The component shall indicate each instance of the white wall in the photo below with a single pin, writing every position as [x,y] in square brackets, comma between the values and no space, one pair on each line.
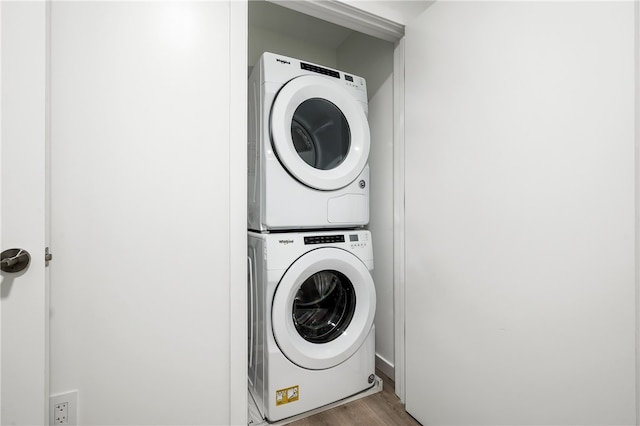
[637,193]
[147,256]
[263,40]
[520,213]
[276,29]
[373,59]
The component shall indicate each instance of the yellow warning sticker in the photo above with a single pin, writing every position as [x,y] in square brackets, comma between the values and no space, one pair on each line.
[287,395]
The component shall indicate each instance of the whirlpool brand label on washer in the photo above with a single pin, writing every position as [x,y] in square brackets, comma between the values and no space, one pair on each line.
[287,395]
[285,242]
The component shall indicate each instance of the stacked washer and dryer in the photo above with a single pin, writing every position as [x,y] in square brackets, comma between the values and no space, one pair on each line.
[312,299]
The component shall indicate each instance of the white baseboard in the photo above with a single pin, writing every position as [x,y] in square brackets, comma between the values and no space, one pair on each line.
[386,367]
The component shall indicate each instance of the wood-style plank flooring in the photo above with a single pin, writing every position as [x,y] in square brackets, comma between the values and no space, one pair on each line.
[381,409]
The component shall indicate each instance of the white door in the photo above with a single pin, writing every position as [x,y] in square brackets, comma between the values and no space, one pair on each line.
[148,225]
[23,296]
[520,216]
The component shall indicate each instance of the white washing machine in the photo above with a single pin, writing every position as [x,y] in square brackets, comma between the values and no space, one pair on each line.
[308,146]
[311,309]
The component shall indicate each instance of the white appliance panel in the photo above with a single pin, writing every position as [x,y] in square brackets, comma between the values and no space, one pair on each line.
[308,147]
[272,373]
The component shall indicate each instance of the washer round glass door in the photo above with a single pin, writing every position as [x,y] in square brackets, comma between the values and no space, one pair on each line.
[320,133]
[323,308]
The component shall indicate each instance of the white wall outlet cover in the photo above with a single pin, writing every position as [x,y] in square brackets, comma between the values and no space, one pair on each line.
[63,409]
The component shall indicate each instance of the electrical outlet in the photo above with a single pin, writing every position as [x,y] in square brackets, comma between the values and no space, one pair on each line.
[61,414]
[63,409]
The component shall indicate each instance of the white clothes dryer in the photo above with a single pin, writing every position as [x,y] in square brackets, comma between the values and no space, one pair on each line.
[308,146]
[311,309]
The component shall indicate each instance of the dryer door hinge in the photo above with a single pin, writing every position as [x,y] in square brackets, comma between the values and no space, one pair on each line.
[47,255]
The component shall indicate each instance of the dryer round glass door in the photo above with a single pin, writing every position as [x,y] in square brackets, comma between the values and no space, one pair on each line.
[320,133]
[323,308]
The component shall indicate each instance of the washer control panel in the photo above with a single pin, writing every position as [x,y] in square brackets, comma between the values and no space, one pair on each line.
[358,240]
[283,248]
[324,239]
[354,240]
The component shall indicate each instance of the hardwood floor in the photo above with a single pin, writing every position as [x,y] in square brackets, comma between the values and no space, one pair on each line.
[380,409]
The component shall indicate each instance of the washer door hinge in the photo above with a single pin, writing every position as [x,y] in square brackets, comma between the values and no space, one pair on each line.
[47,255]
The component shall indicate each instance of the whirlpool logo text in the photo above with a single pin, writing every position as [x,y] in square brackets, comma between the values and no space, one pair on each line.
[285,241]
